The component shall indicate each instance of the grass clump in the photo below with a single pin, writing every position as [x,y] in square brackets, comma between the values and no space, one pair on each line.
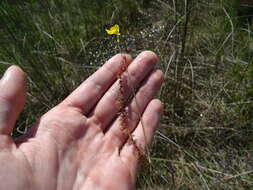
[205,49]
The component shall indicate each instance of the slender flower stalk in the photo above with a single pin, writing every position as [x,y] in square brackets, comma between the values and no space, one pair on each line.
[115,30]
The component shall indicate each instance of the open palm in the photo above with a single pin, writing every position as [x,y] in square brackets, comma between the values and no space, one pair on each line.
[80,143]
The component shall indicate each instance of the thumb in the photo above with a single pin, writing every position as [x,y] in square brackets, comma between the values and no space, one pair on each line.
[12,98]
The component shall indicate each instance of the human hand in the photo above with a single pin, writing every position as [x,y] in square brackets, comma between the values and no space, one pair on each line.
[80,143]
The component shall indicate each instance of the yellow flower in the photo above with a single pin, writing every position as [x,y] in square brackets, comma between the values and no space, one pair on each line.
[114,30]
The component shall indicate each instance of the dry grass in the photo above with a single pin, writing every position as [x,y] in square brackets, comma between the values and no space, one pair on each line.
[205,49]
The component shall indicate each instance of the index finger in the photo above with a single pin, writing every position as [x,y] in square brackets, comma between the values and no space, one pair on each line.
[92,89]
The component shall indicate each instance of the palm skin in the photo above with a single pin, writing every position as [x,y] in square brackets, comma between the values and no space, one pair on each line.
[80,144]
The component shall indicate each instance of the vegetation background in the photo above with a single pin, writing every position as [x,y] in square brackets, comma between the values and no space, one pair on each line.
[206,52]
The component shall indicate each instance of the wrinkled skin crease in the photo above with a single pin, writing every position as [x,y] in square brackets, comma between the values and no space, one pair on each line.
[89,148]
[75,147]
[79,145]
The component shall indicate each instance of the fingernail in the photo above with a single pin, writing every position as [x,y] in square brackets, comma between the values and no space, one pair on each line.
[6,75]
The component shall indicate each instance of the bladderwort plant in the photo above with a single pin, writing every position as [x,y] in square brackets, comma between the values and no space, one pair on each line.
[122,102]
